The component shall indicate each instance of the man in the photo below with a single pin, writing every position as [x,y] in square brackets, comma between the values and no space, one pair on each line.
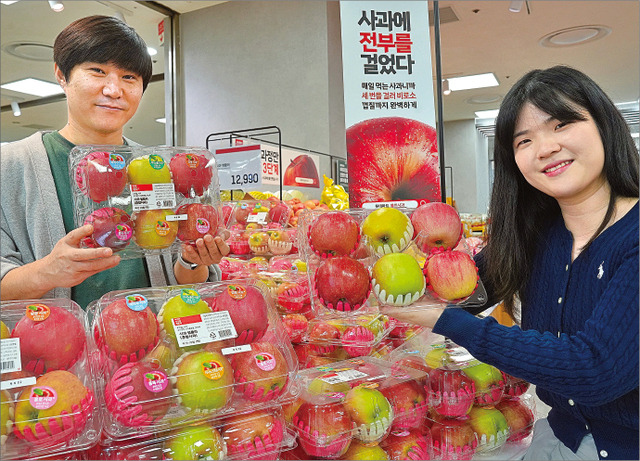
[103,67]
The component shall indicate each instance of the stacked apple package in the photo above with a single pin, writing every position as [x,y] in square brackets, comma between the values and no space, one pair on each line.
[359,259]
[48,393]
[173,356]
[473,406]
[363,401]
[145,200]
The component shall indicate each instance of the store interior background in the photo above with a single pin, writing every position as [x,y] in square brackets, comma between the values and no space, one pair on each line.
[245,64]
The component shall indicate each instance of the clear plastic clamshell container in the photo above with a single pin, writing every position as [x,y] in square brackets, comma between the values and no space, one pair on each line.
[48,393]
[145,200]
[175,355]
[358,401]
[360,259]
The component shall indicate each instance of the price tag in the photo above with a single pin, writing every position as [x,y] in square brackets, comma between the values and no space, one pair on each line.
[10,355]
[20,382]
[260,218]
[203,328]
[239,166]
[236,349]
[343,376]
[153,196]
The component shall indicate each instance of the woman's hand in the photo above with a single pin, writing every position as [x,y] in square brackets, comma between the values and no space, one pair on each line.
[426,317]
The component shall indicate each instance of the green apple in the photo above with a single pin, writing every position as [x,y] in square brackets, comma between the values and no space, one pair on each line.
[152,230]
[490,426]
[4,331]
[437,357]
[148,169]
[196,442]
[203,381]
[397,279]
[371,412]
[319,386]
[358,451]
[387,230]
[187,303]
[488,381]
[6,415]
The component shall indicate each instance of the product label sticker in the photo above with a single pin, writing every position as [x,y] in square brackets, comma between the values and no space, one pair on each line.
[177,217]
[237,292]
[202,225]
[10,355]
[136,302]
[459,354]
[370,385]
[192,161]
[260,217]
[203,328]
[190,296]
[156,162]
[343,376]
[38,312]
[265,361]
[153,196]
[156,381]
[213,370]
[18,382]
[42,397]
[124,232]
[236,349]
[116,161]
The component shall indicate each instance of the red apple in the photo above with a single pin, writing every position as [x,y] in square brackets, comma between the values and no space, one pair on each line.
[451,275]
[409,401]
[514,387]
[262,373]
[127,329]
[112,227]
[334,233]
[342,283]
[226,213]
[324,428]
[413,361]
[436,225]
[101,175]
[392,158]
[246,307]
[519,418]
[191,173]
[451,392]
[201,220]
[323,337]
[256,435]
[138,394]
[453,439]
[357,340]
[410,444]
[279,213]
[296,325]
[242,212]
[55,343]
[301,172]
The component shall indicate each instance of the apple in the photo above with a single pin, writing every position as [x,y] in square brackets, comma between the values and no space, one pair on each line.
[259,243]
[201,220]
[247,308]
[409,401]
[324,428]
[358,340]
[490,427]
[7,414]
[453,439]
[54,409]
[388,230]
[226,214]
[514,387]
[279,243]
[410,444]
[152,229]
[164,354]
[397,279]
[437,357]
[148,169]
[238,244]
[255,435]
[138,394]
[519,418]
[192,173]
[295,325]
[451,392]
[280,213]
[334,233]
[342,283]
[436,225]
[187,303]
[293,296]
[370,411]
[196,442]
[359,451]
[451,275]
[4,331]
[262,373]
[202,381]
[242,212]
[112,227]
[314,361]
[318,386]
[301,172]
[488,381]
[100,175]
[323,337]
[392,158]
[55,343]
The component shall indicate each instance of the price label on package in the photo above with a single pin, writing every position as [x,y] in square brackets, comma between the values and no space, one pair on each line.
[343,376]
[260,217]
[153,196]
[203,328]
[241,169]
[10,355]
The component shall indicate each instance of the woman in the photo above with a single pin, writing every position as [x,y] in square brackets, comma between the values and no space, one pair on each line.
[563,240]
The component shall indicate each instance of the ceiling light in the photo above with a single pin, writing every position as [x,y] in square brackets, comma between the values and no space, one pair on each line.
[493,113]
[445,87]
[56,6]
[516,6]
[574,36]
[161,120]
[33,86]
[152,51]
[16,108]
[472,81]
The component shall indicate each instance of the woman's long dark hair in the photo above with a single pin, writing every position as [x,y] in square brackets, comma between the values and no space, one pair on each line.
[519,213]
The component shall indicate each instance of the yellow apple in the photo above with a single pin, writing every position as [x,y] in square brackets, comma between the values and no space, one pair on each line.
[4,331]
[153,231]
[148,169]
[6,415]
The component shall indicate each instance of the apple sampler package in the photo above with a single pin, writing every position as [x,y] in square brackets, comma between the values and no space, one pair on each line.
[145,200]
[48,402]
[362,401]
[412,258]
[256,434]
[176,355]
[473,406]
